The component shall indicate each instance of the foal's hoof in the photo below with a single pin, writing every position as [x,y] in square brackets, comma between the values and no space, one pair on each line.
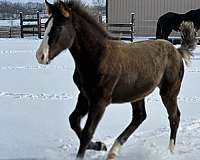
[79,157]
[111,156]
[172,145]
[97,146]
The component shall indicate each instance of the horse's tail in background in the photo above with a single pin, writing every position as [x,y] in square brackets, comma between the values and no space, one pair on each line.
[159,30]
[188,40]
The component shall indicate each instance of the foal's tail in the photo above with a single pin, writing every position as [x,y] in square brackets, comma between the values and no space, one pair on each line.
[189,41]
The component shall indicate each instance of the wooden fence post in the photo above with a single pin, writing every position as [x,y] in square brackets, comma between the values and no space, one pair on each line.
[132,25]
[21,25]
[10,32]
[39,24]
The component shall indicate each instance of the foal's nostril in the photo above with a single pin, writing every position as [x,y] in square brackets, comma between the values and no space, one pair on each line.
[42,57]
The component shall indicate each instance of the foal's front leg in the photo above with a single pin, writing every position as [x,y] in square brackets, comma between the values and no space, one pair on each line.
[95,114]
[80,111]
[100,97]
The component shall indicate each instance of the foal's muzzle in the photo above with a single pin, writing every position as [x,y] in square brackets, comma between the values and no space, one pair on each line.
[42,58]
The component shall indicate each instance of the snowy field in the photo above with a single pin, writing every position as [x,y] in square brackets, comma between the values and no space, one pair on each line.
[36,101]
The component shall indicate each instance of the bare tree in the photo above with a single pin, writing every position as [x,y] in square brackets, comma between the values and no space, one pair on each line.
[98,9]
[98,3]
[9,9]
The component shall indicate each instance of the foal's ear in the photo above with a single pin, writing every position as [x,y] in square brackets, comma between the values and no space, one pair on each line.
[49,8]
[64,11]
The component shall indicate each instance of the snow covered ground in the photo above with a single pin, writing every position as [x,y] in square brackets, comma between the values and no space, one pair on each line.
[36,100]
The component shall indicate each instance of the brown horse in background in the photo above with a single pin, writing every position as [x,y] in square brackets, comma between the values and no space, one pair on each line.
[109,71]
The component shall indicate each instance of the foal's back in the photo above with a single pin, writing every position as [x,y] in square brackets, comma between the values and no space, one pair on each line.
[140,66]
[138,56]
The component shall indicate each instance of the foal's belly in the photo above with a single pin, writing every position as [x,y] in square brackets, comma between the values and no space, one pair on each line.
[130,91]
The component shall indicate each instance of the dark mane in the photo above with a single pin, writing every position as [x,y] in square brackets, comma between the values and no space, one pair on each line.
[78,7]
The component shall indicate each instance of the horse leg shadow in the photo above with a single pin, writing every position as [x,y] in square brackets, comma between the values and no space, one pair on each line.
[139,115]
[79,112]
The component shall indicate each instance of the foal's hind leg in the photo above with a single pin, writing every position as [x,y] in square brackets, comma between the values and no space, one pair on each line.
[169,95]
[169,90]
[170,102]
[139,115]
[174,118]
[75,118]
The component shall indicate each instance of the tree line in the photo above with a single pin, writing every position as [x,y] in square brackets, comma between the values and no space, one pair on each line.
[11,10]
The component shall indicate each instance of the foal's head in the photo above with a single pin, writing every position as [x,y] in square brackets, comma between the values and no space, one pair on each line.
[59,33]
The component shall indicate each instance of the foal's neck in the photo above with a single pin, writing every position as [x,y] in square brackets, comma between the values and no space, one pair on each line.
[90,41]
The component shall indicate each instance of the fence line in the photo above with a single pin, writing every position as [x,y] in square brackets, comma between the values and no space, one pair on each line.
[30,26]
[35,26]
[26,26]
[124,31]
